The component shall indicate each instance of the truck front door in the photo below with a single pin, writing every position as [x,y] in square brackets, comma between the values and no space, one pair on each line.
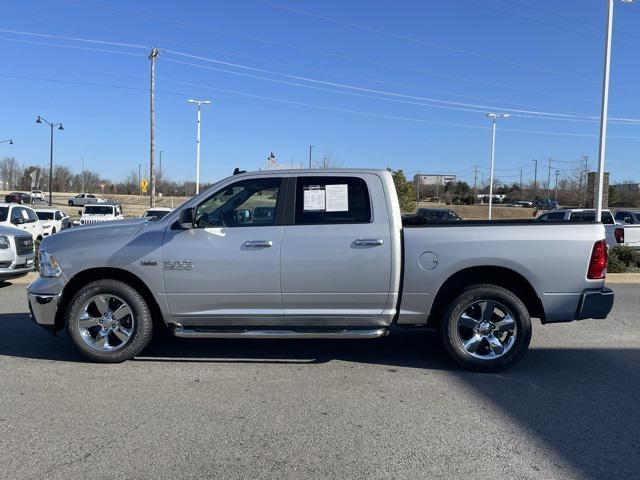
[226,270]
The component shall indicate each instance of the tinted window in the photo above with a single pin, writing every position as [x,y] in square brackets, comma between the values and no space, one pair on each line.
[248,203]
[332,200]
[59,215]
[589,216]
[45,215]
[98,210]
[4,211]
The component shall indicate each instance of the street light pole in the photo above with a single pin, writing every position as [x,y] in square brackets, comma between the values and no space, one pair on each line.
[199,103]
[51,126]
[493,117]
[605,107]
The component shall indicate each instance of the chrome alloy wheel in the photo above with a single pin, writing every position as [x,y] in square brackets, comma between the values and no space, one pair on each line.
[106,322]
[486,329]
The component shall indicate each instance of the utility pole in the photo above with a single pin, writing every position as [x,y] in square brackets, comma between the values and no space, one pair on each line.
[153,56]
[475,184]
[83,176]
[535,179]
[139,179]
[520,188]
[557,173]
[549,178]
[310,147]
[160,169]
[418,188]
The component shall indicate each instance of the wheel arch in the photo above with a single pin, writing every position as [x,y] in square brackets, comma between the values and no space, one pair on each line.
[101,273]
[500,276]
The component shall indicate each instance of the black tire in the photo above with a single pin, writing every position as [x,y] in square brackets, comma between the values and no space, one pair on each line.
[450,330]
[142,330]
[70,203]
[53,230]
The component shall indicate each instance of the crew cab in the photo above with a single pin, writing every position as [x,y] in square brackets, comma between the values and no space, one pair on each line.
[83,199]
[16,253]
[317,254]
[100,213]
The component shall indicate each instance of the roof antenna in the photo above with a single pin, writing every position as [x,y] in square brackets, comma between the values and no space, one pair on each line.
[237,171]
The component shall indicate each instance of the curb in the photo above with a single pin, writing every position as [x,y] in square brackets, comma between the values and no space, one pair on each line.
[629,278]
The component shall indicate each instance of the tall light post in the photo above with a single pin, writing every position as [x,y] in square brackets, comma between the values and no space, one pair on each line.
[493,117]
[51,126]
[605,106]
[199,103]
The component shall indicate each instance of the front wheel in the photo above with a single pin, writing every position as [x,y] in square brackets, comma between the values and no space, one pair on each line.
[486,328]
[109,321]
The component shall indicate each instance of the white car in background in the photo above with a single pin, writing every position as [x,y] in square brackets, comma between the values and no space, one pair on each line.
[22,217]
[54,219]
[156,213]
[37,195]
[100,213]
[83,199]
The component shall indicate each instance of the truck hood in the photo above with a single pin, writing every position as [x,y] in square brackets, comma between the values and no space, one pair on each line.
[94,233]
[5,230]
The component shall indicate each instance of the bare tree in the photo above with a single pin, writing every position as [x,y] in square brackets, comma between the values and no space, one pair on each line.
[328,161]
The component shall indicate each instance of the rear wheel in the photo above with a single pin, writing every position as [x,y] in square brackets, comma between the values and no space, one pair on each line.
[486,328]
[109,321]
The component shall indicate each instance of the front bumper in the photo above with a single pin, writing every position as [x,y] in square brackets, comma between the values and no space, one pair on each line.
[43,308]
[596,303]
[43,296]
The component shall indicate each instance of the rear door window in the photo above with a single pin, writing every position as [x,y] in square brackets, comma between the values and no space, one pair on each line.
[332,200]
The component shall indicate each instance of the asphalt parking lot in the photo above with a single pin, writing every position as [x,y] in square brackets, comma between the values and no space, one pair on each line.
[390,408]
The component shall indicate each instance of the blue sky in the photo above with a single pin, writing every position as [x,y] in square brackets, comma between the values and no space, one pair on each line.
[364,80]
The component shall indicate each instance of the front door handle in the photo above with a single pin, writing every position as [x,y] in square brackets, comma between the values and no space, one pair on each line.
[368,242]
[258,243]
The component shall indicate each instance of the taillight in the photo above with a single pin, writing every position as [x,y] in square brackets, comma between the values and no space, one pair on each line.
[619,234]
[598,262]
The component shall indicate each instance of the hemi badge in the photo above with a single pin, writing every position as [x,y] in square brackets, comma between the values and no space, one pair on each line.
[148,262]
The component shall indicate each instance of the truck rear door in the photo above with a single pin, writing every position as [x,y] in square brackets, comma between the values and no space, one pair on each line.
[336,251]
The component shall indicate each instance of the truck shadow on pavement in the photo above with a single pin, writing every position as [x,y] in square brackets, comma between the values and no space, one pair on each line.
[581,404]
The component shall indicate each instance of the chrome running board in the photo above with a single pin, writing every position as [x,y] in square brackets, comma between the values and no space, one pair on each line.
[353,334]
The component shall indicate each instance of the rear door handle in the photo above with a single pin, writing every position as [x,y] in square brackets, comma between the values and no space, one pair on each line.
[258,243]
[368,242]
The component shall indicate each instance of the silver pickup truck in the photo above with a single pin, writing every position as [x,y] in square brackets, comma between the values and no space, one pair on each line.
[316,254]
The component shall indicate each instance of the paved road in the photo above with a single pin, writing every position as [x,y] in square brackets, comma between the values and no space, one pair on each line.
[390,408]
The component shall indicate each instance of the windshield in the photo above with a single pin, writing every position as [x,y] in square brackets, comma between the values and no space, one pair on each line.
[45,215]
[3,214]
[98,210]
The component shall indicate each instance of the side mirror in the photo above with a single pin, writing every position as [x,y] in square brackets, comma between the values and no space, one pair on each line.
[80,212]
[185,219]
[18,221]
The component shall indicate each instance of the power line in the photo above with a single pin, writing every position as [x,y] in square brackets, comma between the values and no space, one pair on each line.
[189,25]
[474,107]
[422,42]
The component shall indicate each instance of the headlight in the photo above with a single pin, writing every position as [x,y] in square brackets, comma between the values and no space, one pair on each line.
[49,265]
[4,242]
